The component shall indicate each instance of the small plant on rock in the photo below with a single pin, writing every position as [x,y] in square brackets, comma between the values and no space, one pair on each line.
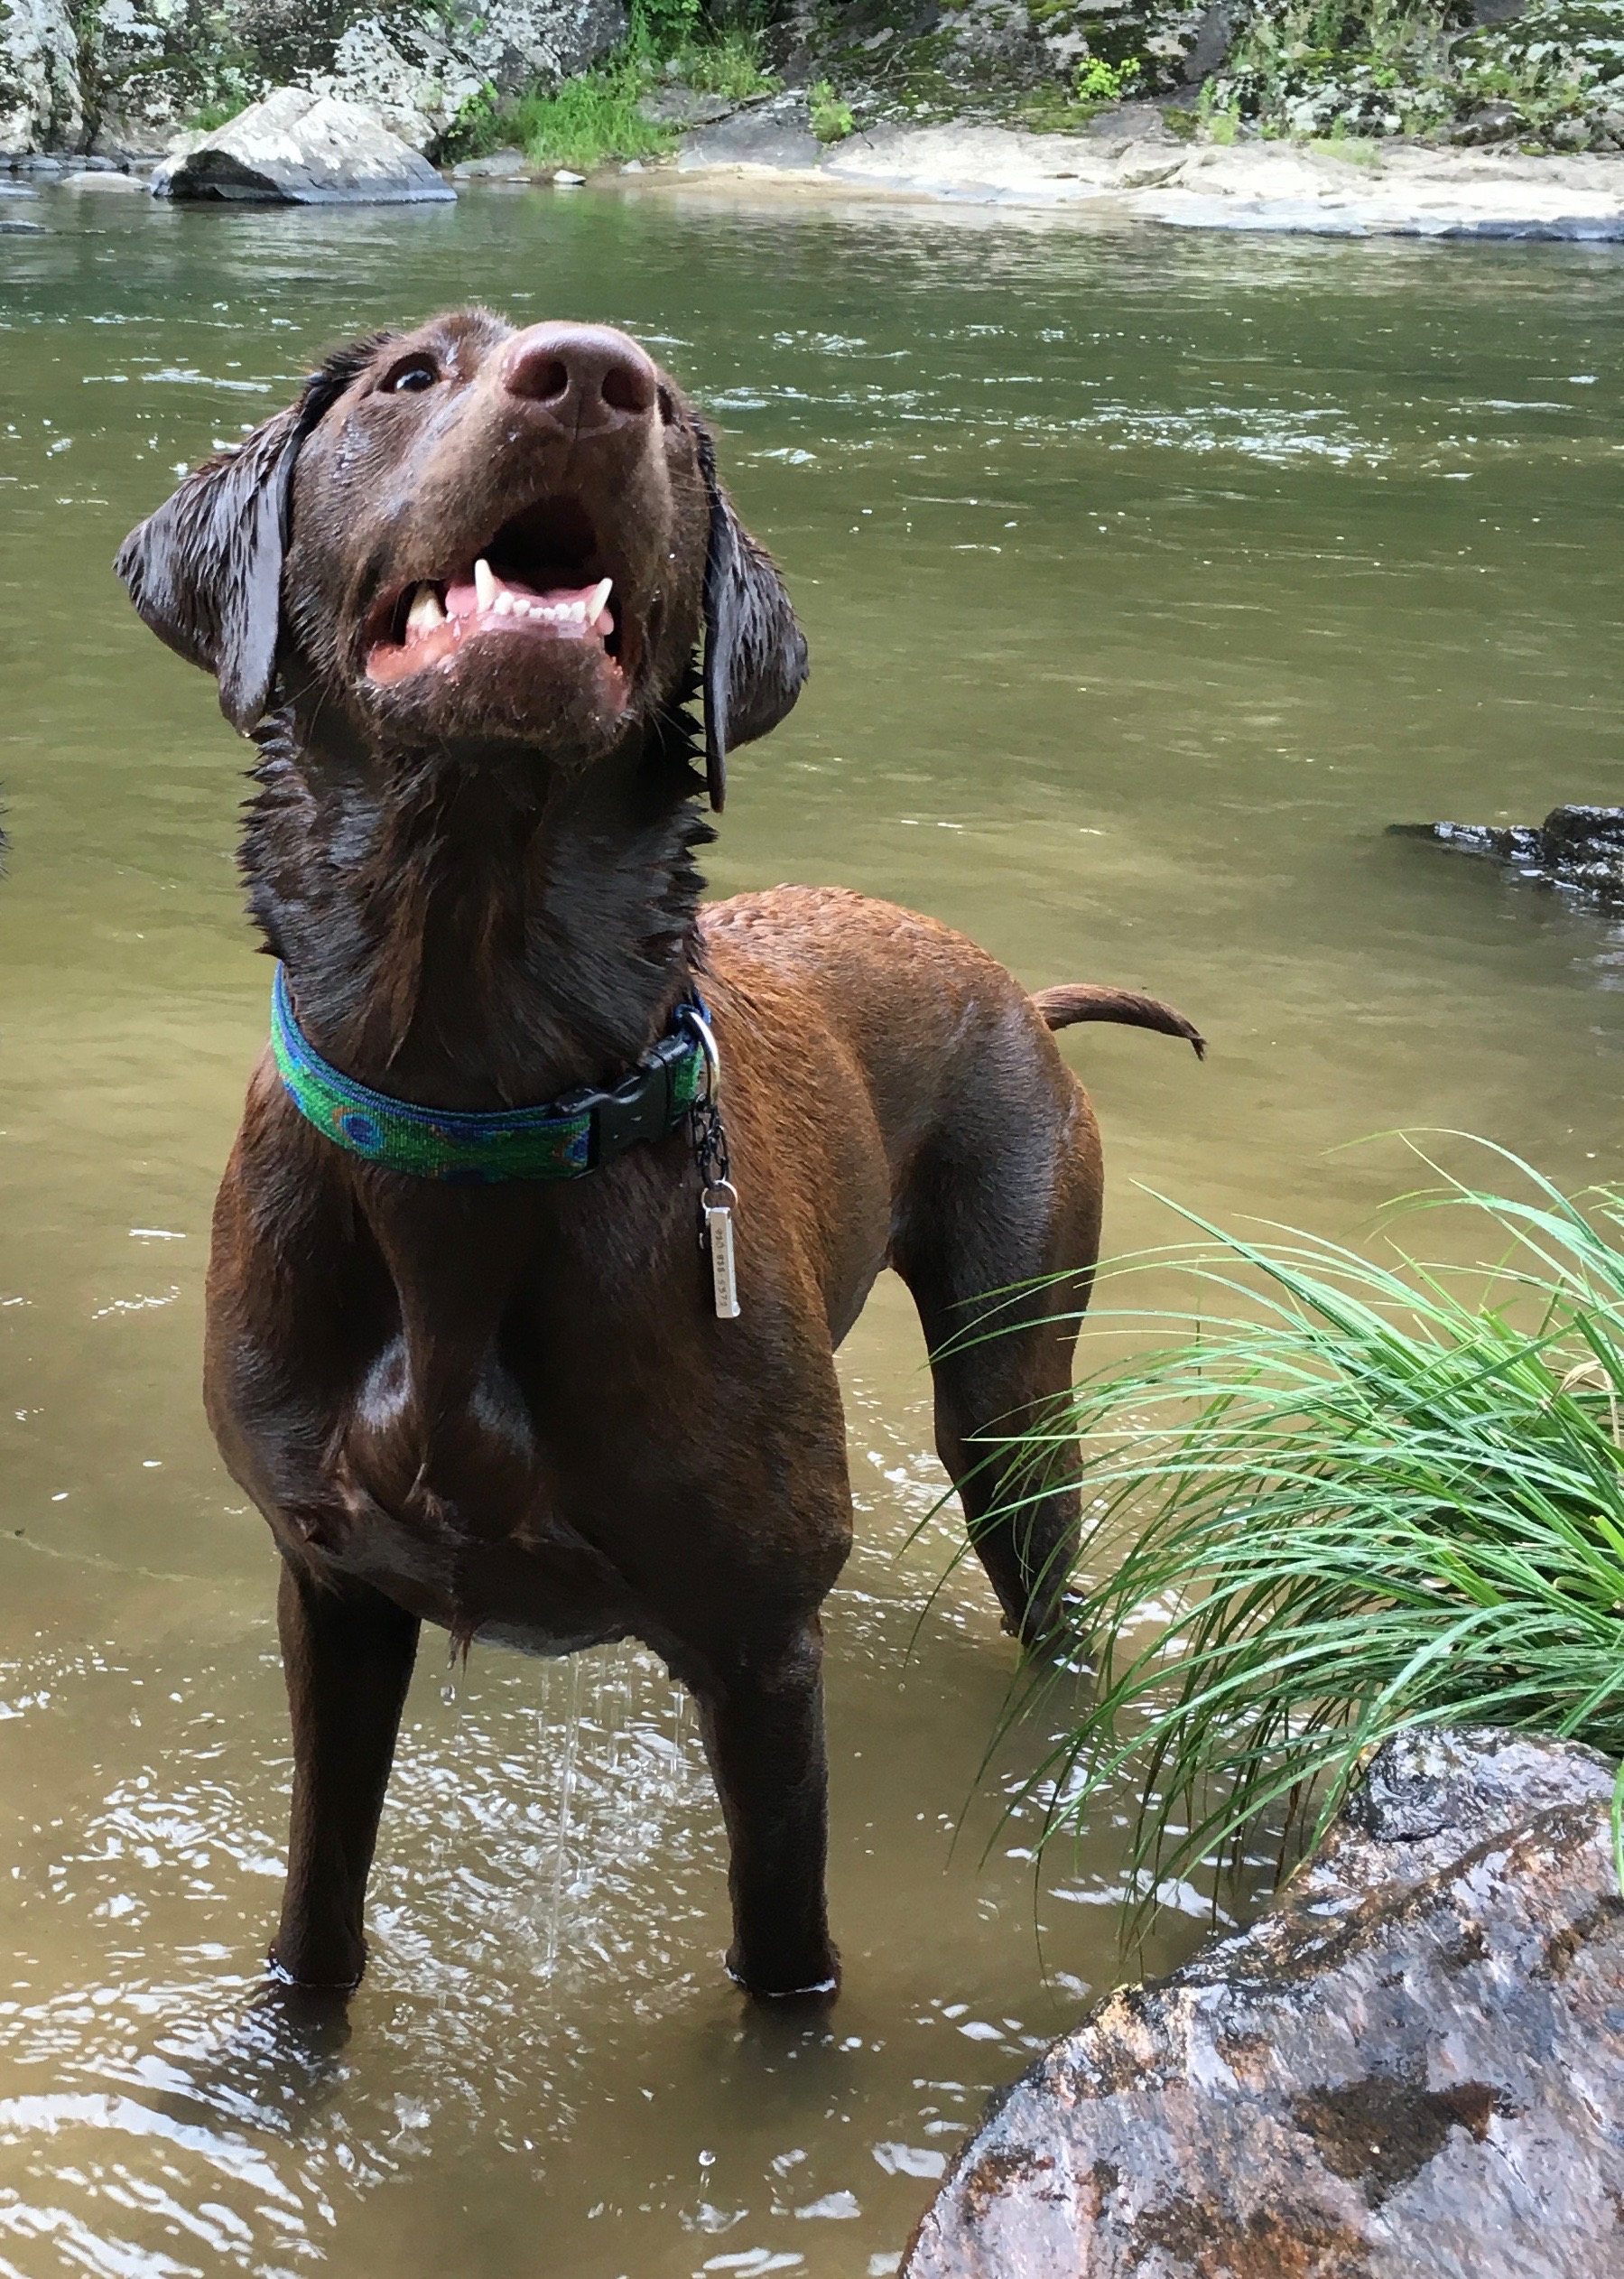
[727,64]
[1099,82]
[832,119]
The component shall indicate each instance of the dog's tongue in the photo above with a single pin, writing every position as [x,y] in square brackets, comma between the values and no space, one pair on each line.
[566,607]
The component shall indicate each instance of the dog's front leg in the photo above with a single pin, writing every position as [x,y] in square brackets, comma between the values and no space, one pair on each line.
[347,1655]
[762,1717]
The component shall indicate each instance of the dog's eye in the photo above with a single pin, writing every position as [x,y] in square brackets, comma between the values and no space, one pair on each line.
[409,379]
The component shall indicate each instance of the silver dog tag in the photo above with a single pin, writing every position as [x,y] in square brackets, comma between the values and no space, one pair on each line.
[720,1200]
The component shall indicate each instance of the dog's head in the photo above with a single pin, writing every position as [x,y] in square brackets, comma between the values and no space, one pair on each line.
[469,535]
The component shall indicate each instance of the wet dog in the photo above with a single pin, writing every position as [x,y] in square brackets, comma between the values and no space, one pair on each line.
[464,1349]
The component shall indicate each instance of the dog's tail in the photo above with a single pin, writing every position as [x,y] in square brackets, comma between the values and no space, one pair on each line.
[1088,1002]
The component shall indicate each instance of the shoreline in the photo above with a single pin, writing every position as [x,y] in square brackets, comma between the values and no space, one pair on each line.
[1126,165]
[1129,164]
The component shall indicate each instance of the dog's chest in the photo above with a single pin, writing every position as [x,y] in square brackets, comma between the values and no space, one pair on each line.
[447,1489]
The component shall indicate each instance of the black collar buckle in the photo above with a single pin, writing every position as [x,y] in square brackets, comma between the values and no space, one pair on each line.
[641,1107]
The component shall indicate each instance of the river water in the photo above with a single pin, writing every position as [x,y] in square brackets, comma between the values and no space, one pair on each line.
[1148,577]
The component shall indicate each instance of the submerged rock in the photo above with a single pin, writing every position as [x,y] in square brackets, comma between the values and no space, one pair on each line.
[1580,850]
[1413,2063]
[300,149]
[500,166]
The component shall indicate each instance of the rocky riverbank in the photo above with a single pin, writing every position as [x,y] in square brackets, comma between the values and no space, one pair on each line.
[1127,162]
[126,76]
[122,76]
[1145,111]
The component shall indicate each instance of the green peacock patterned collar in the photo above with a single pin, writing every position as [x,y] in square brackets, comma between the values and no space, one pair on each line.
[564,1138]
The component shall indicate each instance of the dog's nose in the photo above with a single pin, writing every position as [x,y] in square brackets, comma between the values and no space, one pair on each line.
[589,376]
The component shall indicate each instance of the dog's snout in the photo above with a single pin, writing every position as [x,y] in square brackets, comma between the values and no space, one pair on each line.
[589,376]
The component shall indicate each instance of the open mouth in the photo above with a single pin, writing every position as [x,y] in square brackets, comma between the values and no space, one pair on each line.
[541,579]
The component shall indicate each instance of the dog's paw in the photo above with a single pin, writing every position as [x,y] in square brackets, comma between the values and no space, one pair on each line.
[814,1989]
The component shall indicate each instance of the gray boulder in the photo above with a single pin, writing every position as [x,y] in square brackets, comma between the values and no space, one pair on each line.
[684,107]
[776,133]
[1413,2064]
[497,166]
[422,67]
[300,149]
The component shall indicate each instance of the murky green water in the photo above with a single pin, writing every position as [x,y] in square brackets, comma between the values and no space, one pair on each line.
[1148,576]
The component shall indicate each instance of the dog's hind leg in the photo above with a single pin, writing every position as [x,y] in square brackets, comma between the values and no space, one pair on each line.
[997,1237]
[347,1655]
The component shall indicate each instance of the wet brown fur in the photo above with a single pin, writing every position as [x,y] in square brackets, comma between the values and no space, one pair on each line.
[510,1410]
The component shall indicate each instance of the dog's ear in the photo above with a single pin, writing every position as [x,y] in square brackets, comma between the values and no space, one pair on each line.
[755,664]
[205,571]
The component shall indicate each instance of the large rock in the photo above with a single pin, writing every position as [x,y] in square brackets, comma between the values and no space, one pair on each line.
[1411,2067]
[772,137]
[300,149]
[423,68]
[79,74]
[1579,849]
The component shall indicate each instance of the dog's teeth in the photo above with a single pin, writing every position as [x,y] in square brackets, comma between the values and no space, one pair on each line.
[576,611]
[425,612]
[503,604]
[485,585]
[598,599]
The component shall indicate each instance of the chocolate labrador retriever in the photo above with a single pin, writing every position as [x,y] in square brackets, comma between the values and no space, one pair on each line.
[466,1350]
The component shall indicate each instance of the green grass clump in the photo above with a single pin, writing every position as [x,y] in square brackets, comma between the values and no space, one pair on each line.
[209,117]
[593,119]
[588,121]
[832,119]
[1359,1496]
[728,63]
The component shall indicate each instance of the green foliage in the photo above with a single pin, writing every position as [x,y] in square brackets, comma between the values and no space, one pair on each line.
[476,129]
[209,116]
[833,120]
[1099,81]
[728,62]
[664,26]
[590,120]
[1358,1496]
[1412,67]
